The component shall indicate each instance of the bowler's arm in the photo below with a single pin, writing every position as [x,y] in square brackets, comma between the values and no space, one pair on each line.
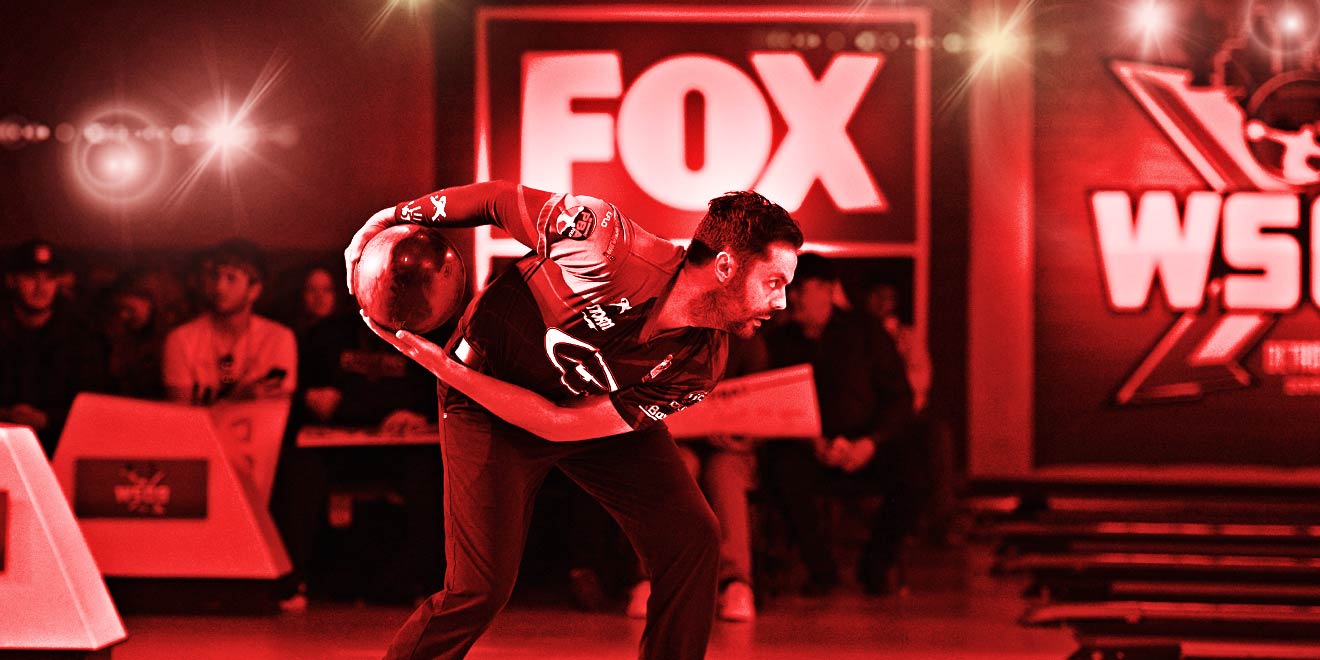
[500,203]
[579,419]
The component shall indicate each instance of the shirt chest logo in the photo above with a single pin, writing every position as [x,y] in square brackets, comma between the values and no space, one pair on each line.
[582,368]
[598,318]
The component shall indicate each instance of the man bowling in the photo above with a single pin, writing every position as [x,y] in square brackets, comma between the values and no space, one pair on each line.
[572,359]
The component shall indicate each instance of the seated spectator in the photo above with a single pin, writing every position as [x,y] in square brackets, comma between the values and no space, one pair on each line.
[885,311]
[349,377]
[144,305]
[870,442]
[353,378]
[47,353]
[229,352]
[882,308]
[317,295]
[725,467]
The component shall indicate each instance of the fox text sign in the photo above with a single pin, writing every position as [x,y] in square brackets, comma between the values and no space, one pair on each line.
[823,110]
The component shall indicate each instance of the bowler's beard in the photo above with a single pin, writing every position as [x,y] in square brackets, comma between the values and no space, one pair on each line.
[723,308]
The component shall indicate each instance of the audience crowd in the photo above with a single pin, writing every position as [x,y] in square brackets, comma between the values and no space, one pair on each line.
[207,331]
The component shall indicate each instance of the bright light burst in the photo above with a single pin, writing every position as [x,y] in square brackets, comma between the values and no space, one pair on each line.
[998,43]
[377,22]
[1150,19]
[1291,23]
[231,133]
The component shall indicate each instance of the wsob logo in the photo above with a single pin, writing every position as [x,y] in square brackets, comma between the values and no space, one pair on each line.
[1255,147]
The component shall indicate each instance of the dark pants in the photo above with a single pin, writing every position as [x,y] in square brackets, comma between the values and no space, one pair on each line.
[793,480]
[307,476]
[492,473]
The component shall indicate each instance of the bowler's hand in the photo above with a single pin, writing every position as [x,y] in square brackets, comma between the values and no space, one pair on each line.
[421,350]
[382,220]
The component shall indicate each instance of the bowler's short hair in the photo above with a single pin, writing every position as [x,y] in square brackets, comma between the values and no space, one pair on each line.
[744,224]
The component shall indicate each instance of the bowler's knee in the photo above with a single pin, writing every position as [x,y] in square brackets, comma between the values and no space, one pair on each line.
[704,532]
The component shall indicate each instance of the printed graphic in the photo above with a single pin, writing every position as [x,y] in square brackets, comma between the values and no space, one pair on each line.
[583,367]
[1255,147]
[140,488]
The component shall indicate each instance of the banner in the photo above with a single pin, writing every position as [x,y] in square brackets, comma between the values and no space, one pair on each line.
[1176,290]
[825,110]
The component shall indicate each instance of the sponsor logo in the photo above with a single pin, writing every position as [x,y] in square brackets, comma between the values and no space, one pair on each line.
[659,368]
[439,205]
[133,488]
[654,412]
[410,214]
[597,319]
[576,223]
[623,305]
[582,368]
[1255,148]
[144,493]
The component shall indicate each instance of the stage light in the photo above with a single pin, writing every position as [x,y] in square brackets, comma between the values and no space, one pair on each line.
[183,135]
[997,44]
[866,41]
[1150,19]
[111,161]
[10,132]
[95,133]
[230,135]
[1291,23]
[377,22]
[119,165]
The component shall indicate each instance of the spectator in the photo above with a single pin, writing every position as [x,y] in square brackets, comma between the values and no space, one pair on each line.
[869,443]
[47,354]
[882,307]
[725,467]
[883,310]
[317,298]
[228,352]
[144,305]
[349,377]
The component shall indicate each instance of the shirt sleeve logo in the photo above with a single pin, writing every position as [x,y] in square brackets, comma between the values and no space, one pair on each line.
[582,368]
[576,223]
[659,368]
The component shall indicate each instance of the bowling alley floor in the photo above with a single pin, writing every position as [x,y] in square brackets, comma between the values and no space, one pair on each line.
[954,610]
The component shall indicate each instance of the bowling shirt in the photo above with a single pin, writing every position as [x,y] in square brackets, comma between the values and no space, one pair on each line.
[565,320]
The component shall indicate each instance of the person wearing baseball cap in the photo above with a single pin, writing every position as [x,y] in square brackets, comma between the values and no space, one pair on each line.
[47,354]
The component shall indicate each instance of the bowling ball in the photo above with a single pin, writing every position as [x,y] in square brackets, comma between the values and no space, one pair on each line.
[410,278]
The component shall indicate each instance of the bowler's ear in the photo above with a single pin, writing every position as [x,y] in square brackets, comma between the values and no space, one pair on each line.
[725,266]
